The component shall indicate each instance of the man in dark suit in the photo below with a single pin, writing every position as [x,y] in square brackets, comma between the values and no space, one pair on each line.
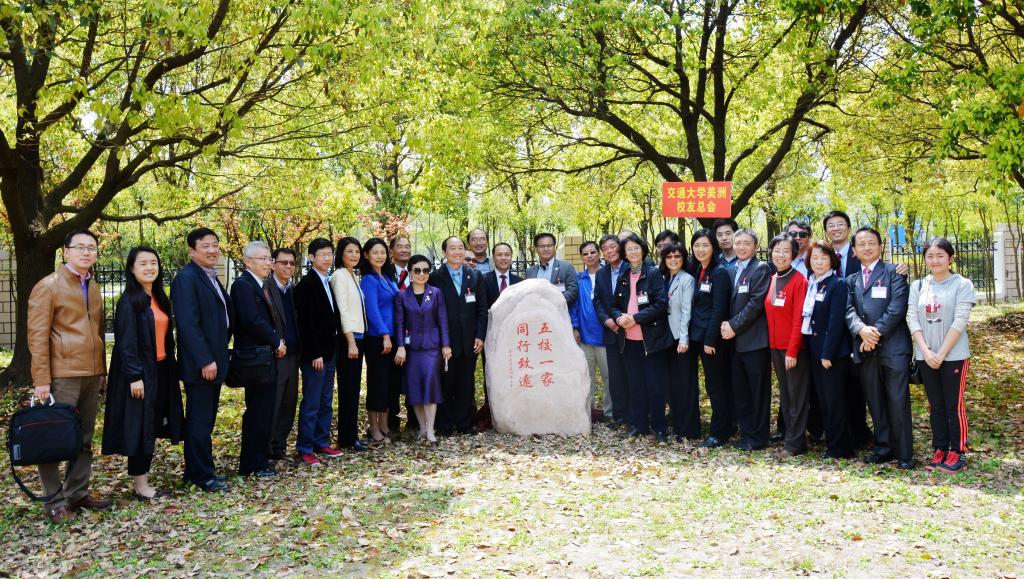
[401,251]
[558,272]
[605,281]
[255,326]
[748,329]
[319,328]
[876,316]
[501,277]
[203,315]
[286,393]
[466,303]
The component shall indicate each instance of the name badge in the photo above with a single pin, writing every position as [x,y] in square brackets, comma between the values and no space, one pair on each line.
[470,298]
[408,340]
[879,292]
[779,302]
[742,289]
[819,297]
[705,287]
[561,287]
[642,300]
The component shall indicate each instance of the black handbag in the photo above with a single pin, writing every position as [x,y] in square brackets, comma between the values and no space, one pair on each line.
[251,366]
[44,434]
[915,371]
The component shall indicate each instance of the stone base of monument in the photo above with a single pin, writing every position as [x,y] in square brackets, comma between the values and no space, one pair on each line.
[537,377]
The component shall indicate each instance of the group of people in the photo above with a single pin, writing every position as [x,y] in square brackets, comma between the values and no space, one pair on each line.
[834,322]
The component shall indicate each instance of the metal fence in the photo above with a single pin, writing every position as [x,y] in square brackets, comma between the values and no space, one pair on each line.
[974,260]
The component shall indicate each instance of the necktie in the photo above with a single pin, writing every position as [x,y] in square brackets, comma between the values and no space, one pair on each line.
[504,284]
[327,286]
[867,276]
[270,305]
[457,280]
[401,278]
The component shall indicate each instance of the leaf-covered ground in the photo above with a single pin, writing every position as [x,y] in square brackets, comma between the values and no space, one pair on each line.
[495,505]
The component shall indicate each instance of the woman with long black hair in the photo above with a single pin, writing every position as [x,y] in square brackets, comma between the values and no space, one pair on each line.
[143,397]
[379,343]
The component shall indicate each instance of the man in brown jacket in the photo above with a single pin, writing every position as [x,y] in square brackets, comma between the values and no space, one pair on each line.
[65,337]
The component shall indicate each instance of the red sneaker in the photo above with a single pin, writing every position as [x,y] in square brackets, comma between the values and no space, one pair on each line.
[329,452]
[938,458]
[311,460]
[954,462]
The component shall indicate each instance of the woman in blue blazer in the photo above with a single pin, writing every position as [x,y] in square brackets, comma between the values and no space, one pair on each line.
[828,339]
[379,289]
[421,321]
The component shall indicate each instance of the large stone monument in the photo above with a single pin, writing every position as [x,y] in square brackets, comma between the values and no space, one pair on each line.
[537,378]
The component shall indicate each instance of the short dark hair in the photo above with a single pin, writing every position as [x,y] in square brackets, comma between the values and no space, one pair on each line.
[867,229]
[634,238]
[588,243]
[339,254]
[827,249]
[418,258]
[799,223]
[794,247]
[723,222]
[196,234]
[539,236]
[70,236]
[499,244]
[277,252]
[941,243]
[608,237]
[667,234]
[318,244]
[394,241]
[470,234]
[444,244]
[670,248]
[835,213]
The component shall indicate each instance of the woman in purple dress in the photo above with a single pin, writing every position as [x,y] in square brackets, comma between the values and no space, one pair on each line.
[422,332]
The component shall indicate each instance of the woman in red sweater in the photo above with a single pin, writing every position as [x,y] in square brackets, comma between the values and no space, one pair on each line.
[783,306]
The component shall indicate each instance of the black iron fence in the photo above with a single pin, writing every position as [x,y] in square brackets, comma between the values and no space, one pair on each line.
[975,260]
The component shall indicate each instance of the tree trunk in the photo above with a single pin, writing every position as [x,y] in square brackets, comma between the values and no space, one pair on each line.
[35,260]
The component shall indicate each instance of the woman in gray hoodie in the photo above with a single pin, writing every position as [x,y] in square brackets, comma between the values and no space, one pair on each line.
[939,308]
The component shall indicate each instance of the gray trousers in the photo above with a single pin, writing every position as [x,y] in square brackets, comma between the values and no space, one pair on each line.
[286,399]
[84,394]
[597,358]
[795,398]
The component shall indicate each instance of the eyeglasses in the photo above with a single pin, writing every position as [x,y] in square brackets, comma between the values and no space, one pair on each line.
[284,263]
[799,234]
[423,270]
[836,225]
[85,248]
[545,246]
[263,258]
[674,256]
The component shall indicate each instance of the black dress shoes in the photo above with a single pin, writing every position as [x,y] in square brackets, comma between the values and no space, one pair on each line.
[265,472]
[213,486]
[711,442]
[745,444]
[661,437]
[633,433]
[878,458]
[905,464]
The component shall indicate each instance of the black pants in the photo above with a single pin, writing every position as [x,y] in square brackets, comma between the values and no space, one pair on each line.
[618,386]
[395,403]
[257,427]
[350,378]
[458,386]
[378,373]
[831,384]
[717,384]
[139,464]
[752,394]
[857,409]
[888,392]
[945,389]
[201,402]
[683,394]
[286,398]
[646,375]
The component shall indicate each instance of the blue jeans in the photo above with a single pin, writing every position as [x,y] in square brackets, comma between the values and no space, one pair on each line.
[315,409]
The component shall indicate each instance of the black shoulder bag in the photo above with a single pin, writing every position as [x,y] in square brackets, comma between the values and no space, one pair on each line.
[44,434]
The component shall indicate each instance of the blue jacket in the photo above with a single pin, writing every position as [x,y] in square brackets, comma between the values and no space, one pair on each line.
[829,338]
[583,315]
[203,332]
[379,293]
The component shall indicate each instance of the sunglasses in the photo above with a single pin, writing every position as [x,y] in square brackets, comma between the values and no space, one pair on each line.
[799,234]
[421,270]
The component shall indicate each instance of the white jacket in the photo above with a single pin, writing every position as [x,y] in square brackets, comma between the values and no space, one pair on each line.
[351,305]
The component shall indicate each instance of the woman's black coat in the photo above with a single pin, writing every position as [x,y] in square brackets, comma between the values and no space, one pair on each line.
[131,426]
[652,317]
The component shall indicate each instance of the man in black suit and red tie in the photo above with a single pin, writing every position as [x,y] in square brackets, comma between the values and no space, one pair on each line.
[465,300]
[401,251]
[501,277]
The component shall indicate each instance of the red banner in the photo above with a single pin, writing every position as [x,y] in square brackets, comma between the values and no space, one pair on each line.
[701,199]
